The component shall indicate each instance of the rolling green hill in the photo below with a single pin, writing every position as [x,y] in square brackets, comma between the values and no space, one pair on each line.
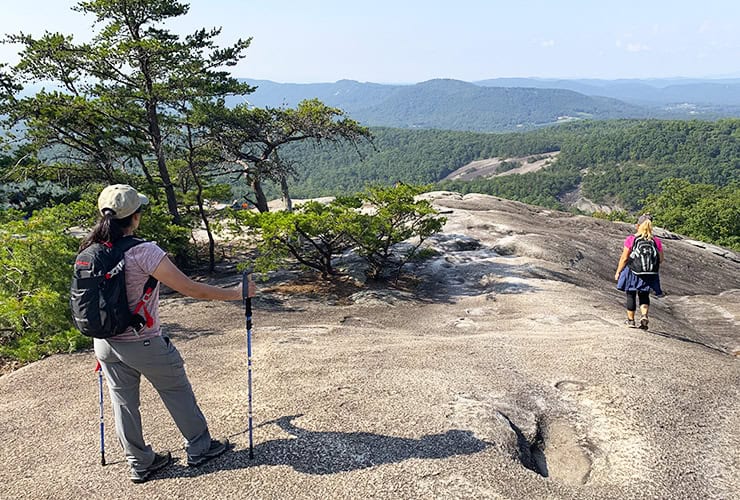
[455,105]
[449,104]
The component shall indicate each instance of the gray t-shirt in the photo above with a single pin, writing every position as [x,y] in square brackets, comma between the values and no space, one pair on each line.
[141,261]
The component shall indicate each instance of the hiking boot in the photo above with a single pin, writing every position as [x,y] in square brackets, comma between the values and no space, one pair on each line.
[218,447]
[644,323]
[161,460]
[630,323]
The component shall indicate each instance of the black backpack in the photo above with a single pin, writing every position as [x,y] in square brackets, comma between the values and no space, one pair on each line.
[98,293]
[644,259]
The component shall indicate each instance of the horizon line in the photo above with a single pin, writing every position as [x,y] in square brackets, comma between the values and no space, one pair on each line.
[540,78]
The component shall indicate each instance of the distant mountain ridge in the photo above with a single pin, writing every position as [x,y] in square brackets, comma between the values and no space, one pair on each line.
[661,91]
[501,104]
[447,104]
[348,94]
[456,105]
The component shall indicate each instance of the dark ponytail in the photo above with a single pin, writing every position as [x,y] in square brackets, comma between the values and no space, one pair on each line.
[107,229]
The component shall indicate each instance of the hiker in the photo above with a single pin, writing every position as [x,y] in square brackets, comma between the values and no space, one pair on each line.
[148,351]
[638,276]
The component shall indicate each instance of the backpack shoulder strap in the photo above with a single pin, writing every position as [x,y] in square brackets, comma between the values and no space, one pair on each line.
[140,314]
[127,243]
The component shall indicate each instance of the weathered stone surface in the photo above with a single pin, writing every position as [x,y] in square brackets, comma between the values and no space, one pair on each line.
[507,374]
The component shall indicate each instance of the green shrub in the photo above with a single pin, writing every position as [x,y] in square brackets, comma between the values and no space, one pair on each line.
[425,253]
[614,215]
[314,234]
[36,257]
[33,195]
[395,216]
[156,225]
[505,166]
[702,211]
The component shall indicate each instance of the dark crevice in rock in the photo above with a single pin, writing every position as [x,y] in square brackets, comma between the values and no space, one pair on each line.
[553,449]
[537,451]
[530,452]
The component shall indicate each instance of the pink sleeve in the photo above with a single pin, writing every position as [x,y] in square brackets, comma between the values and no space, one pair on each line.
[658,244]
[148,256]
[629,241]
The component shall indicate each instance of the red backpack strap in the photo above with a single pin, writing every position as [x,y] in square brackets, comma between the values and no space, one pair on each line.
[141,306]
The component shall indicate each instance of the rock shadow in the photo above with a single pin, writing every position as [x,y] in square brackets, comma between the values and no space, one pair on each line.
[276,303]
[329,452]
[680,338]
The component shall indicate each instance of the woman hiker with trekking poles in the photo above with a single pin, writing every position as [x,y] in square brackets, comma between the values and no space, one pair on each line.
[148,351]
[637,271]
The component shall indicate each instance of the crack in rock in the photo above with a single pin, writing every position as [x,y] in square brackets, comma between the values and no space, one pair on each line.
[530,450]
[553,451]
[549,446]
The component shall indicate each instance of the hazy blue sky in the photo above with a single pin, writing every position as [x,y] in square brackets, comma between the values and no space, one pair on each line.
[410,41]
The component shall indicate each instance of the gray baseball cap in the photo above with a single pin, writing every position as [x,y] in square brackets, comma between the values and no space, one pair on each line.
[122,199]
[643,218]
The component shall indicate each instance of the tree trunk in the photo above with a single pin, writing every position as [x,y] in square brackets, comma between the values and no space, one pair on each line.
[260,197]
[154,185]
[169,189]
[155,135]
[287,202]
[211,241]
[201,210]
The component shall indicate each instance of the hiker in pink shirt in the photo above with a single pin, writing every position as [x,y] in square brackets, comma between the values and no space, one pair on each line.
[637,271]
[148,351]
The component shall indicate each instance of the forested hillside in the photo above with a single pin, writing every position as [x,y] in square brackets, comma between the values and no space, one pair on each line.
[618,158]
[410,156]
[618,162]
[455,105]
[686,171]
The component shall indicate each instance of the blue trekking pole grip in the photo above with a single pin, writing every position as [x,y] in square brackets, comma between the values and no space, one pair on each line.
[248,314]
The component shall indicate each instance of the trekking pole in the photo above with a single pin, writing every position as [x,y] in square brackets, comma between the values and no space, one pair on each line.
[99,369]
[248,314]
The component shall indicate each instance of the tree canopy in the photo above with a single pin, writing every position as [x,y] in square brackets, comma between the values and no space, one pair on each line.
[142,105]
[116,97]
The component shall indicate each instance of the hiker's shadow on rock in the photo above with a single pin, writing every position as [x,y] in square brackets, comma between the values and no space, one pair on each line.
[325,452]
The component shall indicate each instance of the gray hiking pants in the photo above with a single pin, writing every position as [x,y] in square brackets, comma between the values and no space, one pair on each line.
[157,359]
